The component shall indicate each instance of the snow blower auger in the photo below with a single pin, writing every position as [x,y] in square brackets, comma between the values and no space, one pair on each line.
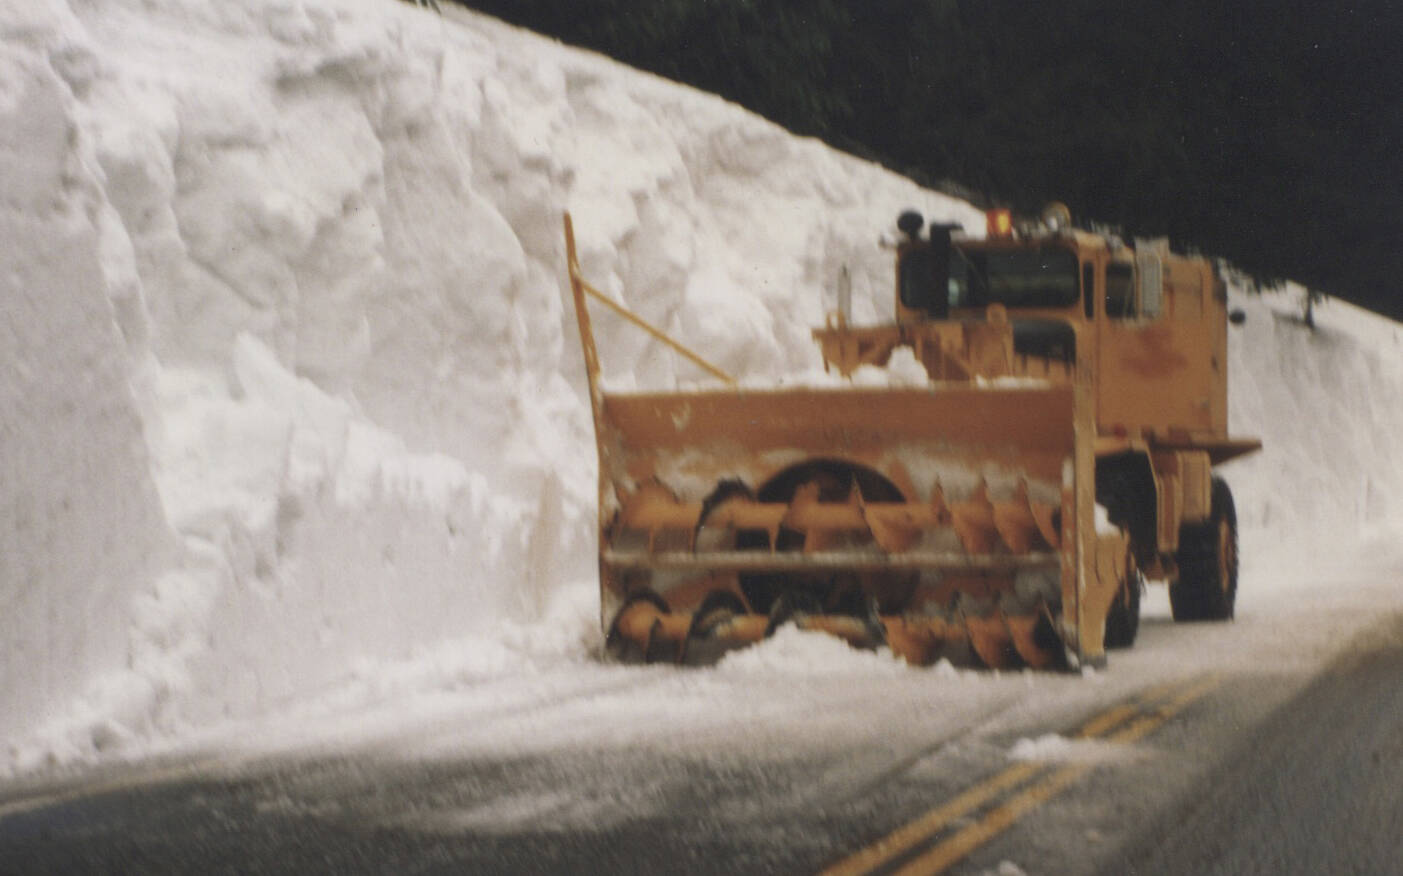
[1000,515]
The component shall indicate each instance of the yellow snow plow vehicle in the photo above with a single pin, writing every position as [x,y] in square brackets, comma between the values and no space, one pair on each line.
[1000,513]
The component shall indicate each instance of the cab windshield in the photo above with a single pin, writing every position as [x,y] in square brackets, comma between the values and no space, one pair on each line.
[1044,277]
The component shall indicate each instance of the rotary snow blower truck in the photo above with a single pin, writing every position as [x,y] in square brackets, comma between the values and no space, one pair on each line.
[1001,513]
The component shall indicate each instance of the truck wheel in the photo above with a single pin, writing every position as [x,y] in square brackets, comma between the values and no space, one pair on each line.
[1207,560]
[1123,621]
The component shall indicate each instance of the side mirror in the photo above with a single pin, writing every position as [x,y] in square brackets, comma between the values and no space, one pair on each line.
[1236,316]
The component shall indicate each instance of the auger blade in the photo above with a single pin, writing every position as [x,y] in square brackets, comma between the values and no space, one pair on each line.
[991,640]
[644,631]
[1017,523]
[974,521]
[1024,630]
[921,641]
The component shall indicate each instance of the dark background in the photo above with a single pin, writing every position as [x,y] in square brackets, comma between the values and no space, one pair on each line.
[1270,133]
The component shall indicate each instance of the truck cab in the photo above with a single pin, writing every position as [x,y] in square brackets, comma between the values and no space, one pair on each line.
[1141,329]
[1153,324]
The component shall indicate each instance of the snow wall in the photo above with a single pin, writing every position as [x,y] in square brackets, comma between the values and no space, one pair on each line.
[290,383]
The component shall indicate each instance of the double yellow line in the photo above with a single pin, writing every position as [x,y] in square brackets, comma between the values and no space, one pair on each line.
[1123,723]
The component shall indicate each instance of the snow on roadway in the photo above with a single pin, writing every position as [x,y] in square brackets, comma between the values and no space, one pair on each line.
[292,410]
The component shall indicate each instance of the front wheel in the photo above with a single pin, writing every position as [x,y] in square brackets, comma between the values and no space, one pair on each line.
[1207,585]
[1123,620]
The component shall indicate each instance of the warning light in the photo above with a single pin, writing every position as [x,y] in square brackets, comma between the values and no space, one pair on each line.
[999,223]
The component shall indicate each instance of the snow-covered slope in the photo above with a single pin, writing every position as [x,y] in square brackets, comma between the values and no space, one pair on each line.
[1328,403]
[289,388]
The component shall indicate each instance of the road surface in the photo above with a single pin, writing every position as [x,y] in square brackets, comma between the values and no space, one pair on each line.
[1231,771]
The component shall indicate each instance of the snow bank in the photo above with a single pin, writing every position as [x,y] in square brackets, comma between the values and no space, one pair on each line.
[291,392]
[1328,403]
[81,528]
[293,387]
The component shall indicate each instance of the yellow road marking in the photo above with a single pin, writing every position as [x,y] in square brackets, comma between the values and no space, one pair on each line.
[946,853]
[971,837]
[922,828]
[1146,725]
[1161,690]
[939,858]
[1106,720]
[1117,715]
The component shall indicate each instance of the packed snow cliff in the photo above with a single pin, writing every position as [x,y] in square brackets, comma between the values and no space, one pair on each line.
[289,384]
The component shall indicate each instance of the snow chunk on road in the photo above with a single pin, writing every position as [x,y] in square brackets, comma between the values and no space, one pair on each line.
[792,651]
[1054,748]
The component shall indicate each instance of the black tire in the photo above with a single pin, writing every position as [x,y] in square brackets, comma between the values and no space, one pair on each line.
[1125,487]
[1123,621]
[1207,558]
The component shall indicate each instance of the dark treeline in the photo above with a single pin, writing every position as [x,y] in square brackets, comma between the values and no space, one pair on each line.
[1267,132]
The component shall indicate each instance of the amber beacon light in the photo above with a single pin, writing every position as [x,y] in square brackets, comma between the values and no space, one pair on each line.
[999,223]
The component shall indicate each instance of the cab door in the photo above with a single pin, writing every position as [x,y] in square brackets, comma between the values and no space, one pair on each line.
[1155,373]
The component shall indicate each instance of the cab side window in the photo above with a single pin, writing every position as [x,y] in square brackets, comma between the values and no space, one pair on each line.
[1120,292]
[1088,289]
[919,284]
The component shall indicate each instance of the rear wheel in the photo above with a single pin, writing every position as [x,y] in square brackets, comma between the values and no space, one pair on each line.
[1207,585]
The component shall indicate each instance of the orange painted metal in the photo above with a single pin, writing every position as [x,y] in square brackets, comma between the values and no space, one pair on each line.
[1023,631]
[992,640]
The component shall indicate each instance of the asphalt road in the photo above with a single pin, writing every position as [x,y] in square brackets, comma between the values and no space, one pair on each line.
[1317,788]
[1239,772]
